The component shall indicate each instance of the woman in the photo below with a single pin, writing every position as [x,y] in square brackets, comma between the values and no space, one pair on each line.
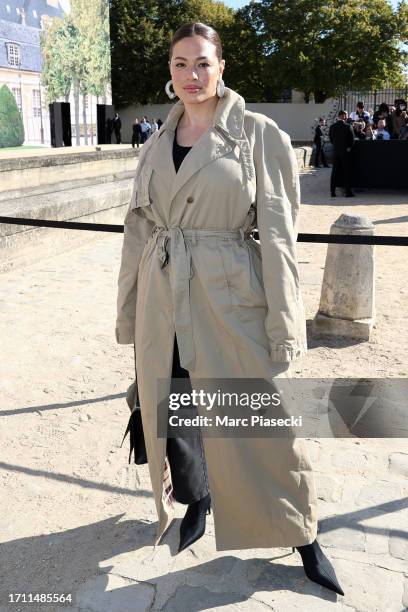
[194,293]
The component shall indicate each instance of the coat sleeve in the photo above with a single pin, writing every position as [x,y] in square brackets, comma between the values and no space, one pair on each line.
[278,204]
[137,230]
[136,233]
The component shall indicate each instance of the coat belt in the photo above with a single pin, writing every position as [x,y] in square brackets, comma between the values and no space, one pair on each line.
[181,272]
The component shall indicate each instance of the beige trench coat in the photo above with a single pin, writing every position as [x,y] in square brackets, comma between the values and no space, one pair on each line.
[188,267]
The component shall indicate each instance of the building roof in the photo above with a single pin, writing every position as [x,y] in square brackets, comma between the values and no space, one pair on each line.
[28,39]
[36,8]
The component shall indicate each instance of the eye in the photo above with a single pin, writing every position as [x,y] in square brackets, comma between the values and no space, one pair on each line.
[204,64]
[179,64]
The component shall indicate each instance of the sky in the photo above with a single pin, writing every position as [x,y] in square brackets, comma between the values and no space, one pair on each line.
[239,3]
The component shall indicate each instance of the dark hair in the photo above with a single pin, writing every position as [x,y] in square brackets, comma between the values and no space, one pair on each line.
[197,29]
[342,112]
[360,104]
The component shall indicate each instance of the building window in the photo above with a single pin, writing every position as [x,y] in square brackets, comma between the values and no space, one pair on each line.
[13,54]
[17,95]
[36,103]
[8,8]
[35,13]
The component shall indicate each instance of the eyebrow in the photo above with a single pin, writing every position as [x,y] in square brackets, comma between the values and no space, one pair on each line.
[184,58]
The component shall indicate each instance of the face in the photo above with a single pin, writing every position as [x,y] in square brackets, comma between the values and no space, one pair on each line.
[381,123]
[195,69]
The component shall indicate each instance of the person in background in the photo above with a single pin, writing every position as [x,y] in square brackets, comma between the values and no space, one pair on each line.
[145,126]
[381,133]
[319,142]
[341,136]
[398,117]
[159,123]
[136,133]
[360,113]
[358,127]
[369,134]
[403,134]
[383,112]
[117,125]
[154,125]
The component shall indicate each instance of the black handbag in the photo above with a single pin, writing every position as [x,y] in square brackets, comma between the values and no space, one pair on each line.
[135,427]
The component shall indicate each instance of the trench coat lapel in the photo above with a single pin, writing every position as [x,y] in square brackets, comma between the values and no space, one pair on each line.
[208,148]
[218,140]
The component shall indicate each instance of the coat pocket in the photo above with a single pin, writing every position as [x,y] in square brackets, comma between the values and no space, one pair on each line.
[255,255]
[243,272]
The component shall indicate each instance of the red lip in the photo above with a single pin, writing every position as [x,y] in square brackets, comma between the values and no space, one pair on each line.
[192,87]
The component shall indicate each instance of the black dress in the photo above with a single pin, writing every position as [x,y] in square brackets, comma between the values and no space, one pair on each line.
[186,455]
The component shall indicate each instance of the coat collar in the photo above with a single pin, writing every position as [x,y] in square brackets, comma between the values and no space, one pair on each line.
[229,114]
[225,134]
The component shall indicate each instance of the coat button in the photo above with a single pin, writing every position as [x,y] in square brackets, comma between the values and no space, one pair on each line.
[190,199]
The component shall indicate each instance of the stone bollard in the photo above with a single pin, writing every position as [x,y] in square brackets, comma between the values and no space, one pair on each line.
[347,298]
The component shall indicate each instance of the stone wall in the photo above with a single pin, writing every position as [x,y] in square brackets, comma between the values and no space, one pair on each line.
[92,187]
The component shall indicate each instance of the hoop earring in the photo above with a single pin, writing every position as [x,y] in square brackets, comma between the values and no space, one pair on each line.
[170,93]
[220,88]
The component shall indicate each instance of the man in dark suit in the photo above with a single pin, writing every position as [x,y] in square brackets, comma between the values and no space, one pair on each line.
[117,125]
[319,142]
[341,136]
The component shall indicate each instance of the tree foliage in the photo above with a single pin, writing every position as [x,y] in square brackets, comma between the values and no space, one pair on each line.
[319,46]
[59,42]
[325,46]
[11,122]
[77,47]
[141,32]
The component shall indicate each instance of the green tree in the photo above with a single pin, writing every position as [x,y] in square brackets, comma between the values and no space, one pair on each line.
[137,43]
[76,54]
[91,20]
[325,46]
[58,48]
[245,60]
[141,32]
[11,122]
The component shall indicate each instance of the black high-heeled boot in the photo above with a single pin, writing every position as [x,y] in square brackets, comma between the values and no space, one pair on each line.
[192,526]
[317,566]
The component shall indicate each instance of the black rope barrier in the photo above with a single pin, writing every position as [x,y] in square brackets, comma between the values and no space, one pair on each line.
[318,238]
[94,227]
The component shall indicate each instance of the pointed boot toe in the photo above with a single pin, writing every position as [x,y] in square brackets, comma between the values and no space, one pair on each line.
[192,527]
[318,568]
